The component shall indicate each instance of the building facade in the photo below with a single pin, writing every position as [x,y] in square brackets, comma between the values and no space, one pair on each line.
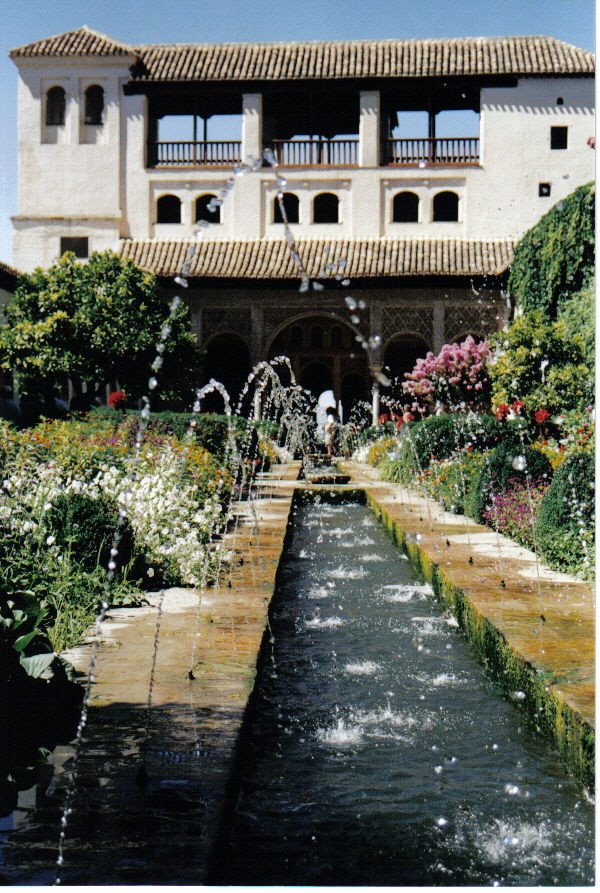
[419,163]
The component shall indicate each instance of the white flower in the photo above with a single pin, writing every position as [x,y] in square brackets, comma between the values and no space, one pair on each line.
[50,540]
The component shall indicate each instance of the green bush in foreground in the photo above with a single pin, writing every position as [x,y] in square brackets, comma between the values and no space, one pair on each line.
[565,526]
[509,461]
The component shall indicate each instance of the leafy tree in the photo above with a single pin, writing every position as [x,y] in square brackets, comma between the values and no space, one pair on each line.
[96,322]
[556,257]
[540,363]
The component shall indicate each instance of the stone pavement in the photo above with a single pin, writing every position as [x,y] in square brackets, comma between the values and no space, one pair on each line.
[534,627]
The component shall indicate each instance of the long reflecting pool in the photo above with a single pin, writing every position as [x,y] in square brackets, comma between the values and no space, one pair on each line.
[378,752]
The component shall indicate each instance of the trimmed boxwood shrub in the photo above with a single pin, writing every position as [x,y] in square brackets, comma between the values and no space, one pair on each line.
[565,526]
[85,527]
[498,471]
[440,437]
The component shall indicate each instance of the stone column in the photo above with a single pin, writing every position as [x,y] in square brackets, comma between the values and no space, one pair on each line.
[252,125]
[369,129]
[375,404]
[256,334]
[438,325]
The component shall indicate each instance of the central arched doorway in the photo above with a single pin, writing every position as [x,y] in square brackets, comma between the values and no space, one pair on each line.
[325,356]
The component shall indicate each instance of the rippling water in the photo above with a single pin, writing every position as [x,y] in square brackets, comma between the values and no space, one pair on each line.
[379,753]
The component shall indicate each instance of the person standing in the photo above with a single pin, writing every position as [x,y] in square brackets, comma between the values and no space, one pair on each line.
[330,428]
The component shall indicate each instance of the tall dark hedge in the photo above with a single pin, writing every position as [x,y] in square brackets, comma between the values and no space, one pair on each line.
[567,515]
[439,437]
[556,257]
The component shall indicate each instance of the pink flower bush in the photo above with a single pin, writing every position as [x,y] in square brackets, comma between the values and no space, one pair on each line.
[514,512]
[455,378]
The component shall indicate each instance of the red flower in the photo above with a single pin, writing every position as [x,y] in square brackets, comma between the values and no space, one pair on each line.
[502,411]
[541,416]
[517,406]
[117,400]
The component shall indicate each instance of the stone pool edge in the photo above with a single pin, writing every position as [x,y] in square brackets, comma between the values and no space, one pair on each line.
[568,730]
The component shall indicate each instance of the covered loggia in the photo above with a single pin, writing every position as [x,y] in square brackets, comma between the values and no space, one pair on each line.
[324,356]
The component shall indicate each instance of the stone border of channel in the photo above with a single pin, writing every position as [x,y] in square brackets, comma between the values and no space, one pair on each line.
[531,627]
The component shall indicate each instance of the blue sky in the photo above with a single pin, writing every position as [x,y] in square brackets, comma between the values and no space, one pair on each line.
[215,21]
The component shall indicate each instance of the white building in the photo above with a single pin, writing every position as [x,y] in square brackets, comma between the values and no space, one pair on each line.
[420,162]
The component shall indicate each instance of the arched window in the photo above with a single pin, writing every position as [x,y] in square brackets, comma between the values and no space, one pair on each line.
[168,209]
[55,106]
[405,208]
[326,208]
[445,207]
[203,212]
[316,336]
[337,337]
[227,360]
[296,338]
[94,105]
[291,204]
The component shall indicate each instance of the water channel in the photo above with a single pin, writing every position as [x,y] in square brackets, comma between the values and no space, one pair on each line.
[379,753]
[376,752]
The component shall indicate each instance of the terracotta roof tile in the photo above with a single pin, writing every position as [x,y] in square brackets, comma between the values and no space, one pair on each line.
[328,59]
[366,258]
[81,42]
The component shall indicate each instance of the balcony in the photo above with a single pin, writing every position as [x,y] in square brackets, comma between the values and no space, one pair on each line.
[316,152]
[453,151]
[195,153]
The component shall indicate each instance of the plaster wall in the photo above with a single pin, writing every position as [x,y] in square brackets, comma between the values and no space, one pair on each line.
[516,153]
[69,175]
[80,180]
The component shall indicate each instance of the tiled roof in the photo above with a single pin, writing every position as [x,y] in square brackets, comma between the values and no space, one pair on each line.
[81,42]
[365,258]
[328,59]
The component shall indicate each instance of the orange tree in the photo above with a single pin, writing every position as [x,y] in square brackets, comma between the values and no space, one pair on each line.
[95,322]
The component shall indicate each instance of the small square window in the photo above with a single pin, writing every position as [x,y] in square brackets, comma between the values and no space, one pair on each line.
[558,137]
[77,244]
[544,189]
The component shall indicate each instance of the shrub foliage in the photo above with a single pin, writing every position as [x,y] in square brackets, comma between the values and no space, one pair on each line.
[556,257]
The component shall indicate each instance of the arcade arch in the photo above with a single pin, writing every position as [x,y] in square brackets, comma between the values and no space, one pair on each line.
[325,356]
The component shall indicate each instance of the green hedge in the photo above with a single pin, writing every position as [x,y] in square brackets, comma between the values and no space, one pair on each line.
[556,257]
[440,437]
[565,526]
[499,469]
[210,431]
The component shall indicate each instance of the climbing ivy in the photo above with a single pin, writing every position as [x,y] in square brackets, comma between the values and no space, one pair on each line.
[556,257]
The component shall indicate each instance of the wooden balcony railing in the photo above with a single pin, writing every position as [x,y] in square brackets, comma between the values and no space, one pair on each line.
[316,153]
[214,153]
[451,150]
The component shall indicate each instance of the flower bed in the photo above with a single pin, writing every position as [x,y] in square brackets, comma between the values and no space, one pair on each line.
[64,485]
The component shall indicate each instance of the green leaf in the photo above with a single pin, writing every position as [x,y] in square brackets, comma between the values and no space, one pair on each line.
[23,641]
[38,666]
